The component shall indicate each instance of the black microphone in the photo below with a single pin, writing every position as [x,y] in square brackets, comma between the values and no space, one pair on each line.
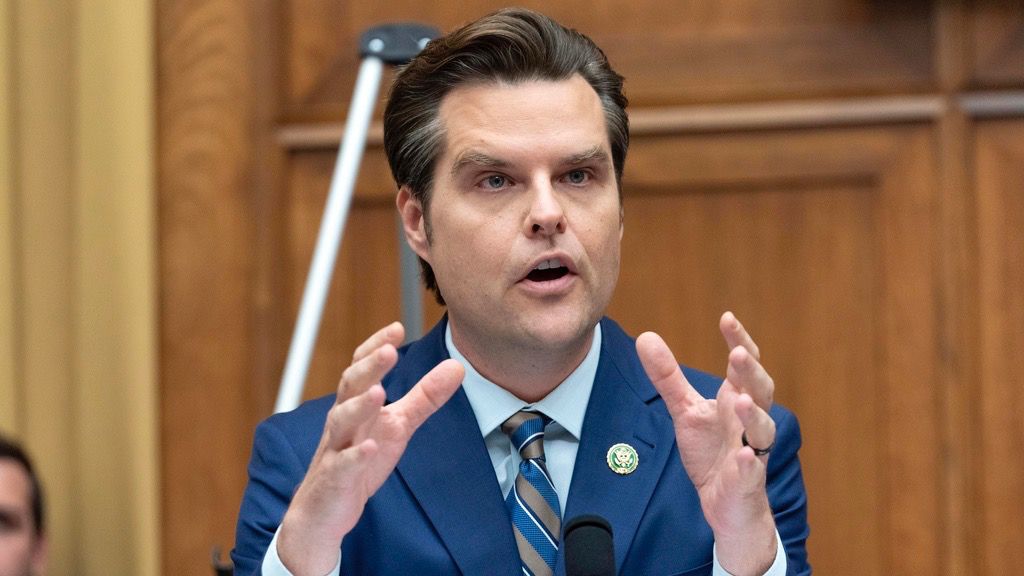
[589,550]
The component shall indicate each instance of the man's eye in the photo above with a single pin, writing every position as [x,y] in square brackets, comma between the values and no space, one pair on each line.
[8,522]
[577,177]
[495,181]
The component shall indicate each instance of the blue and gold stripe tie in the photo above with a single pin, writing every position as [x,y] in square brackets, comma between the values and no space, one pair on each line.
[532,502]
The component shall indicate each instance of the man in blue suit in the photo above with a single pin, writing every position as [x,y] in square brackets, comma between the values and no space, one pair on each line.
[507,139]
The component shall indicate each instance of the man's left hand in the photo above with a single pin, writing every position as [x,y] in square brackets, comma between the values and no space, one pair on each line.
[730,477]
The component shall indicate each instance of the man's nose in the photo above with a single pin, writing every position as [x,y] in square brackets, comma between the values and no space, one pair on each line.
[546,216]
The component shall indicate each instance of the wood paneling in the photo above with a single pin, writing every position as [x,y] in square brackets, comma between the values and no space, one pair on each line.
[997,42]
[692,51]
[207,231]
[1000,199]
[820,241]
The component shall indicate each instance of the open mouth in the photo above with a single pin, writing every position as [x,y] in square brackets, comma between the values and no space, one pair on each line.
[547,271]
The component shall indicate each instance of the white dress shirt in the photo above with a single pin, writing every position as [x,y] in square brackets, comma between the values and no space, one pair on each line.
[566,405]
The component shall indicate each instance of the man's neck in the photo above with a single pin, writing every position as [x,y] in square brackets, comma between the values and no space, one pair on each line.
[529,373]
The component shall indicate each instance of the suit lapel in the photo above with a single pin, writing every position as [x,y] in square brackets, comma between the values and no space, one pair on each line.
[619,412]
[448,470]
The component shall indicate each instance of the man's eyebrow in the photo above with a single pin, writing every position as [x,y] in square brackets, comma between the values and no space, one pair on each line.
[476,158]
[480,159]
[596,153]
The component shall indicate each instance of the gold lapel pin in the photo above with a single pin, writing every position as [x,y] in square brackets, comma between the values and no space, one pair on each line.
[623,459]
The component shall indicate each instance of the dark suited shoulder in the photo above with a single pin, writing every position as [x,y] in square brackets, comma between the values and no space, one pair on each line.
[297,426]
[785,486]
[621,349]
[786,492]
[282,448]
[284,445]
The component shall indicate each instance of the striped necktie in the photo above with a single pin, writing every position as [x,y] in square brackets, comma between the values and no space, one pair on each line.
[532,502]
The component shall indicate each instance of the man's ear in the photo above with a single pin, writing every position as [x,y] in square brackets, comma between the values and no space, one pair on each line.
[40,555]
[414,222]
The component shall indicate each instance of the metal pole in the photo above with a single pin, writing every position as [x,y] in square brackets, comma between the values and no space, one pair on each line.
[388,43]
[332,227]
[412,295]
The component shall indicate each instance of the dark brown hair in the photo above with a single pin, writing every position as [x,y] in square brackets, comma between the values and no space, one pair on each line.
[9,450]
[513,45]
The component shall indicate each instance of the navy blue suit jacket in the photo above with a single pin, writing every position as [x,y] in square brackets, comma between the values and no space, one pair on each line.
[441,511]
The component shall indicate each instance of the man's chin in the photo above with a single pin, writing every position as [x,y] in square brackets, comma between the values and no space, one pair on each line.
[560,332]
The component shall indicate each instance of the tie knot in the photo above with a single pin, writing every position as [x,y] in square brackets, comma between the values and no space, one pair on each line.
[526,430]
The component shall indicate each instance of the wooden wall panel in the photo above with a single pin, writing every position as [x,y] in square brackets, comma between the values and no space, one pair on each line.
[208,145]
[1000,200]
[692,51]
[997,42]
[820,241]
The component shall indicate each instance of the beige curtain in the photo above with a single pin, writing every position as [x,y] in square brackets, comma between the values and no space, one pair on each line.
[77,272]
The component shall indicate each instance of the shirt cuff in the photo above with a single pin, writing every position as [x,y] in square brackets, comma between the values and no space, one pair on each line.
[272,565]
[778,568]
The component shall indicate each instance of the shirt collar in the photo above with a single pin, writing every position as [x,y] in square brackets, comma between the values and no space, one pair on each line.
[566,404]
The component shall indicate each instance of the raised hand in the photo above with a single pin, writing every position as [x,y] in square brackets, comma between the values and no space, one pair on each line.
[361,443]
[729,477]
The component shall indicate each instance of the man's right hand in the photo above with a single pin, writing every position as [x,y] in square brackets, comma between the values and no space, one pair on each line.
[362,442]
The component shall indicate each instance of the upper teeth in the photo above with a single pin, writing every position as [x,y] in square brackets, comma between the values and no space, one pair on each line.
[551,263]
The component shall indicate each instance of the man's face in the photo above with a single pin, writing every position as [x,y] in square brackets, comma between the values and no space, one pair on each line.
[22,553]
[525,219]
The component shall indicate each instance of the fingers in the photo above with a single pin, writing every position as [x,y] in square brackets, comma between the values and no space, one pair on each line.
[392,334]
[736,335]
[756,387]
[371,361]
[748,376]
[664,372]
[347,422]
[366,371]
[430,393]
[360,397]
[757,424]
